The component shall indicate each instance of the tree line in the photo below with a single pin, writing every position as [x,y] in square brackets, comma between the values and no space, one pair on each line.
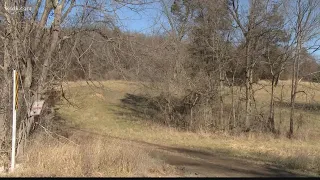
[204,61]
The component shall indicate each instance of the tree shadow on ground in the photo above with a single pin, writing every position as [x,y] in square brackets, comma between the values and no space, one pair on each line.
[140,107]
[140,104]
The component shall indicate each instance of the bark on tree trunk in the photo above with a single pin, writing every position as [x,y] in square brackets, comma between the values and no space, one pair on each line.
[248,86]
[233,124]
[5,110]
[295,71]
[294,86]
[54,40]
[44,18]
[271,109]
[221,93]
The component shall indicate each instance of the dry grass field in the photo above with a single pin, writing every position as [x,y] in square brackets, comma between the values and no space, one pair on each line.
[97,110]
[93,157]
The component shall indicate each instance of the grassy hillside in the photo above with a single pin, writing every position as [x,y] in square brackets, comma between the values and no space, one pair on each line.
[99,110]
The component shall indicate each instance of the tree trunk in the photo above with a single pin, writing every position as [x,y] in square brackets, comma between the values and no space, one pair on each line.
[294,85]
[248,86]
[271,109]
[295,69]
[40,27]
[4,107]
[54,40]
[221,93]
[233,124]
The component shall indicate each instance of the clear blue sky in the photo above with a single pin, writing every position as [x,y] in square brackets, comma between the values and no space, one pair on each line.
[149,17]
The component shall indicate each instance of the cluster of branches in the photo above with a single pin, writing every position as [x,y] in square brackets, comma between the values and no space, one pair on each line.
[42,39]
[218,44]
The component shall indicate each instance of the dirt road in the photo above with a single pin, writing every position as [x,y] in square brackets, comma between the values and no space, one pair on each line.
[198,163]
[202,164]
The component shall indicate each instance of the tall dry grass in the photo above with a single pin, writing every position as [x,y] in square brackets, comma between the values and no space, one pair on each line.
[90,157]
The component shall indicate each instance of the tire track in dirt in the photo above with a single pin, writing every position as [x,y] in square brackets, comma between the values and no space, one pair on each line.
[192,162]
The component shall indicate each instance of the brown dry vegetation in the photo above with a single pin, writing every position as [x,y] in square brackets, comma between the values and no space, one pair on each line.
[201,77]
[86,157]
[99,112]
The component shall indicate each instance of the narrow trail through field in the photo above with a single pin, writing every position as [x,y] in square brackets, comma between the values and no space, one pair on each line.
[198,163]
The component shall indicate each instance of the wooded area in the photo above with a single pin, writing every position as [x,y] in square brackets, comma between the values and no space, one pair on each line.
[206,64]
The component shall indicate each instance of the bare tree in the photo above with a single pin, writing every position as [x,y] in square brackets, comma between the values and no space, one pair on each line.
[262,25]
[32,38]
[304,18]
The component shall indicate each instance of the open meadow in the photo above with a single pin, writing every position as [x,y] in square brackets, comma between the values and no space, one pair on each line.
[98,110]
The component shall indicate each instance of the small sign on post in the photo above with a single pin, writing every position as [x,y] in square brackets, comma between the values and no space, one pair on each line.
[36,108]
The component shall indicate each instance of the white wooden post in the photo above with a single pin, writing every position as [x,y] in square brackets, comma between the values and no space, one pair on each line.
[14,120]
